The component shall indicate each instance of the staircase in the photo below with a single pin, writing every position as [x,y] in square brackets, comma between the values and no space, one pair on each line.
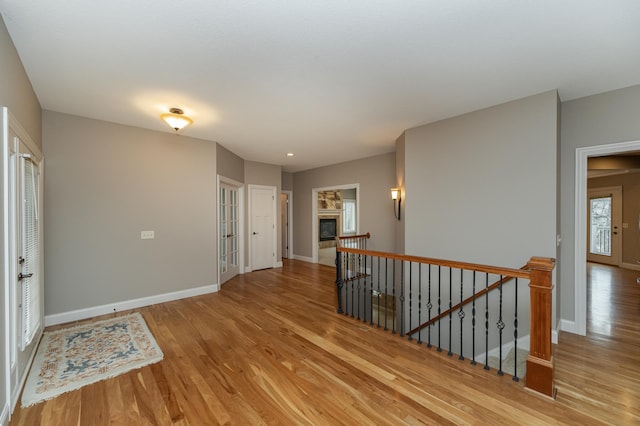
[469,310]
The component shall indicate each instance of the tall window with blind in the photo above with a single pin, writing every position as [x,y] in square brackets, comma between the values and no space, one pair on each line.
[29,260]
[349,216]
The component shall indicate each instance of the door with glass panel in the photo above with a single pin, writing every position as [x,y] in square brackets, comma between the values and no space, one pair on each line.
[604,236]
[229,242]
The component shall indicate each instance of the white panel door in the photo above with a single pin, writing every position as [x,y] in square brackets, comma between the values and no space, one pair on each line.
[262,227]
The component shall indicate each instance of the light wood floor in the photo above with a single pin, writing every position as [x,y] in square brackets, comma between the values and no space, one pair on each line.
[270,349]
[600,373]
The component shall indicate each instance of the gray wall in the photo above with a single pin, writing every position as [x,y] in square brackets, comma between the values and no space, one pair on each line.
[400,182]
[269,175]
[18,96]
[376,175]
[481,187]
[16,92]
[287,181]
[606,118]
[104,184]
[228,164]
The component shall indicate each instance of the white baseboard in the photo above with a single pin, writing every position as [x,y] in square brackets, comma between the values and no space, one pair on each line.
[632,266]
[303,258]
[278,265]
[568,326]
[109,308]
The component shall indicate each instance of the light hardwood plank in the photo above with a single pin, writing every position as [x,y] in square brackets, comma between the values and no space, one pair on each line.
[269,349]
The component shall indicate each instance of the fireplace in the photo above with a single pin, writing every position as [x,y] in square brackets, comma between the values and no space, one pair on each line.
[328,228]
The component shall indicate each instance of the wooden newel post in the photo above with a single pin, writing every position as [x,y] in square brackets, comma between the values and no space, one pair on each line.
[540,360]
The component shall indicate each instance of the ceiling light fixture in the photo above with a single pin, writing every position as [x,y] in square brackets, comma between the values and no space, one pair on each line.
[176,119]
[290,154]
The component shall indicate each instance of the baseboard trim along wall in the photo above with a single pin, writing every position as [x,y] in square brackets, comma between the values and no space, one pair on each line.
[631,266]
[110,308]
[303,258]
[569,326]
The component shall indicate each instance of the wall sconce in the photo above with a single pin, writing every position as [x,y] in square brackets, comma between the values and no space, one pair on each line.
[397,202]
[176,119]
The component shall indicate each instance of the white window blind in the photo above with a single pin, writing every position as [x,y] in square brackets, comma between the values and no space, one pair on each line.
[30,281]
[349,216]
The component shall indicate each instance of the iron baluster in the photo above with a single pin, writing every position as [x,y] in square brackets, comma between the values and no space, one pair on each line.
[351,280]
[410,297]
[386,291]
[378,296]
[393,282]
[339,281]
[364,291]
[358,281]
[461,314]
[473,322]
[500,325]
[429,306]
[439,305]
[515,338]
[420,302]
[401,320]
[450,306]
[486,322]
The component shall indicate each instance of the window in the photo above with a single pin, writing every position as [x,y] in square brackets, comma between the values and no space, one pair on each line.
[349,217]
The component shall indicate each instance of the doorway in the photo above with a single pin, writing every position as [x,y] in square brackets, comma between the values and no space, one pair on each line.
[262,227]
[286,212]
[580,230]
[329,203]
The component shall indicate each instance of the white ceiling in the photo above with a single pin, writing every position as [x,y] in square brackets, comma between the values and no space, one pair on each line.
[330,80]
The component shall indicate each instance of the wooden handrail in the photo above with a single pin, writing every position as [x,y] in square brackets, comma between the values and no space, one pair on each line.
[509,272]
[464,302]
[347,237]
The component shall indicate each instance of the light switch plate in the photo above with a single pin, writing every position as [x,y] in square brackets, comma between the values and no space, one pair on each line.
[147,235]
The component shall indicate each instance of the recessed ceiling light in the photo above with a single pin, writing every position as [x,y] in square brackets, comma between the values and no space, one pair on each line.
[290,154]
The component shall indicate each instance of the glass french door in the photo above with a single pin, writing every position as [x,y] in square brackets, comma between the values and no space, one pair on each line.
[604,228]
[229,255]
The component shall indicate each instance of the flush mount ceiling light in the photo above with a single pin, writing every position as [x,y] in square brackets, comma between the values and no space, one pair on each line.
[176,119]
[290,154]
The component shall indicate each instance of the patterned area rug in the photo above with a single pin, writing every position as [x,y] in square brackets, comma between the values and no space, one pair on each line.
[70,358]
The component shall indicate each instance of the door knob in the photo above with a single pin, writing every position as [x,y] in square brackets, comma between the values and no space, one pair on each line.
[255,233]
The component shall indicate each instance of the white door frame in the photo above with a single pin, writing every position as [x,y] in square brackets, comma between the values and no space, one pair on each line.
[314,214]
[8,234]
[222,179]
[290,223]
[274,263]
[580,255]
[5,410]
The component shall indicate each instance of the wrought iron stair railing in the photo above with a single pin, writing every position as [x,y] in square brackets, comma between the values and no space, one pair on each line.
[428,299]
